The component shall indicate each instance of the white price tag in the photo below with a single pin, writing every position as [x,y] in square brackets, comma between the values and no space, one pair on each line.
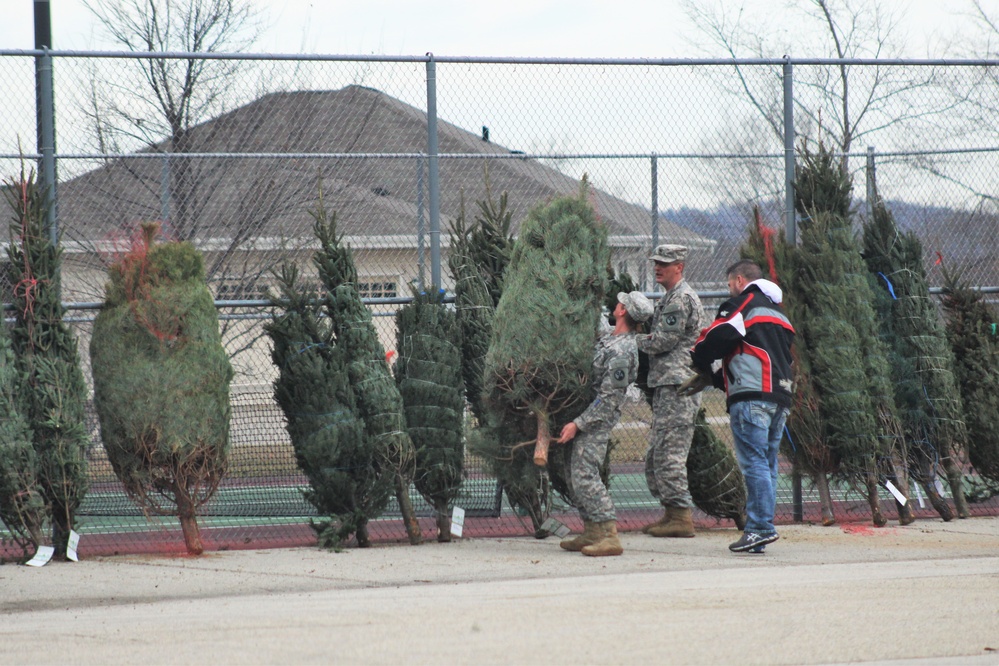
[42,556]
[72,545]
[457,521]
[555,528]
[938,485]
[896,492]
[919,496]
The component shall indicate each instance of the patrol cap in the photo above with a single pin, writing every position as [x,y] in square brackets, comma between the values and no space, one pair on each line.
[667,254]
[637,304]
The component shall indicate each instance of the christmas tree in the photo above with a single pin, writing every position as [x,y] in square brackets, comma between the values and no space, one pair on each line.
[161,381]
[928,399]
[428,373]
[46,353]
[332,448]
[378,399]
[713,476]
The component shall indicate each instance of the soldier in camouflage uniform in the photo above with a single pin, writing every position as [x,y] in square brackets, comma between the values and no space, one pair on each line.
[676,323]
[615,367]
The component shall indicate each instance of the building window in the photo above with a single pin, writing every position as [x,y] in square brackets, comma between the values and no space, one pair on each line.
[240,289]
[377,287]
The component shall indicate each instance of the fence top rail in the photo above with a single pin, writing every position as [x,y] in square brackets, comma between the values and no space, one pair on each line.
[430,57]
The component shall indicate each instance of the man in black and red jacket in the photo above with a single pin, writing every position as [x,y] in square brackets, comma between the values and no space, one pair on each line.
[746,351]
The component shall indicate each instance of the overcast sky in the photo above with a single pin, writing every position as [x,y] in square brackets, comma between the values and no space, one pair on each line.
[552,28]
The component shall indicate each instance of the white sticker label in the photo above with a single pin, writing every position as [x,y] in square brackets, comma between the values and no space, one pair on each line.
[919,496]
[72,545]
[938,486]
[457,521]
[896,492]
[42,556]
[555,528]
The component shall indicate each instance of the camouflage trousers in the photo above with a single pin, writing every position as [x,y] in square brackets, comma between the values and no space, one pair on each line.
[669,443]
[587,491]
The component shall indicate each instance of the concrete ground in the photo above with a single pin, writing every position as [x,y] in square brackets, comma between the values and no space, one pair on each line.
[927,593]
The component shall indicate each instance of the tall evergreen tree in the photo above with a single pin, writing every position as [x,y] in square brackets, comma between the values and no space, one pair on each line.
[342,463]
[378,399]
[22,505]
[971,332]
[848,359]
[541,350]
[922,363]
[161,381]
[46,352]
[428,373]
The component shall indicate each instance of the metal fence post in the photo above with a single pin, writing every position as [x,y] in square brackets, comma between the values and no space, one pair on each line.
[165,189]
[46,143]
[421,260]
[871,193]
[435,212]
[655,202]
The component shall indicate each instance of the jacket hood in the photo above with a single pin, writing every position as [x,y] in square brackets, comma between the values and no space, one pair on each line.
[769,289]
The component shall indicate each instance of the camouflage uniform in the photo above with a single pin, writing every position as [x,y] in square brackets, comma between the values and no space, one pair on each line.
[615,366]
[676,323]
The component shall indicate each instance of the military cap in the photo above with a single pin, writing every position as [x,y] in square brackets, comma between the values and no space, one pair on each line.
[667,254]
[637,304]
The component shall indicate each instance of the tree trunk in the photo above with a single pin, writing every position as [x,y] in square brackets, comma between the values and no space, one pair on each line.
[924,477]
[872,499]
[408,514]
[189,525]
[542,441]
[956,482]
[825,498]
[443,522]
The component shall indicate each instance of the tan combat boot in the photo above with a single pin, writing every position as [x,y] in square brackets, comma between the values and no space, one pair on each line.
[680,524]
[662,521]
[608,544]
[591,534]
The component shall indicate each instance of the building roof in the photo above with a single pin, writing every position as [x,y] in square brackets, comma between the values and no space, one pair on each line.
[337,136]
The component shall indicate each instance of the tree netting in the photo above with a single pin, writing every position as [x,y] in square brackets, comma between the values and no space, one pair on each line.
[46,353]
[428,372]
[714,479]
[378,399]
[344,466]
[921,367]
[161,380]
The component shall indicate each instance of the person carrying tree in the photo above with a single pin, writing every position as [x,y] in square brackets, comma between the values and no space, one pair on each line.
[752,337]
[615,367]
[676,323]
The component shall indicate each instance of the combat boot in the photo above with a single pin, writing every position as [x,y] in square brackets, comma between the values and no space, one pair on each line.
[591,534]
[680,524]
[662,521]
[608,544]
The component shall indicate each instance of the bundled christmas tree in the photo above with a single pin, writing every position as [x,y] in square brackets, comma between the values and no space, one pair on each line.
[22,505]
[47,358]
[332,448]
[804,441]
[428,372]
[541,351]
[971,332]
[378,399]
[922,364]
[713,476]
[848,360]
[161,380]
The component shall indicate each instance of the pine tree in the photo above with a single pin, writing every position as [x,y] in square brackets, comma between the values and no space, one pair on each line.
[971,333]
[848,360]
[47,357]
[161,381]
[342,463]
[22,505]
[378,399]
[541,350]
[922,367]
[713,476]
[428,372]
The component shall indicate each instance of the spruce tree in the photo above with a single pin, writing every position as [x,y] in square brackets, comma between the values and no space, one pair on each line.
[428,372]
[22,505]
[922,367]
[971,333]
[161,381]
[378,399]
[342,463]
[848,359]
[713,476]
[46,352]
[541,350]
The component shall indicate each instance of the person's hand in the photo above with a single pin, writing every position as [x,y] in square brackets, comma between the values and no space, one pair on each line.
[694,385]
[569,430]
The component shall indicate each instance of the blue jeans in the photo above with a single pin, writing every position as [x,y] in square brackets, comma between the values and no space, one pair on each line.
[757,426]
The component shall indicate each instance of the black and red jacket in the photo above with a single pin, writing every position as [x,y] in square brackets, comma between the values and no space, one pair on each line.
[752,338]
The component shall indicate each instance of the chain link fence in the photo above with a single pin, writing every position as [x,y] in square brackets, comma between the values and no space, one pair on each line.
[399,148]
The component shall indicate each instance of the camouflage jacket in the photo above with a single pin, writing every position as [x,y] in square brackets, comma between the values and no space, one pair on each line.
[676,323]
[615,367]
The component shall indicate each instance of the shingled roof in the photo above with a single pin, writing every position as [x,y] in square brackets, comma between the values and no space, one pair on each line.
[308,134]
